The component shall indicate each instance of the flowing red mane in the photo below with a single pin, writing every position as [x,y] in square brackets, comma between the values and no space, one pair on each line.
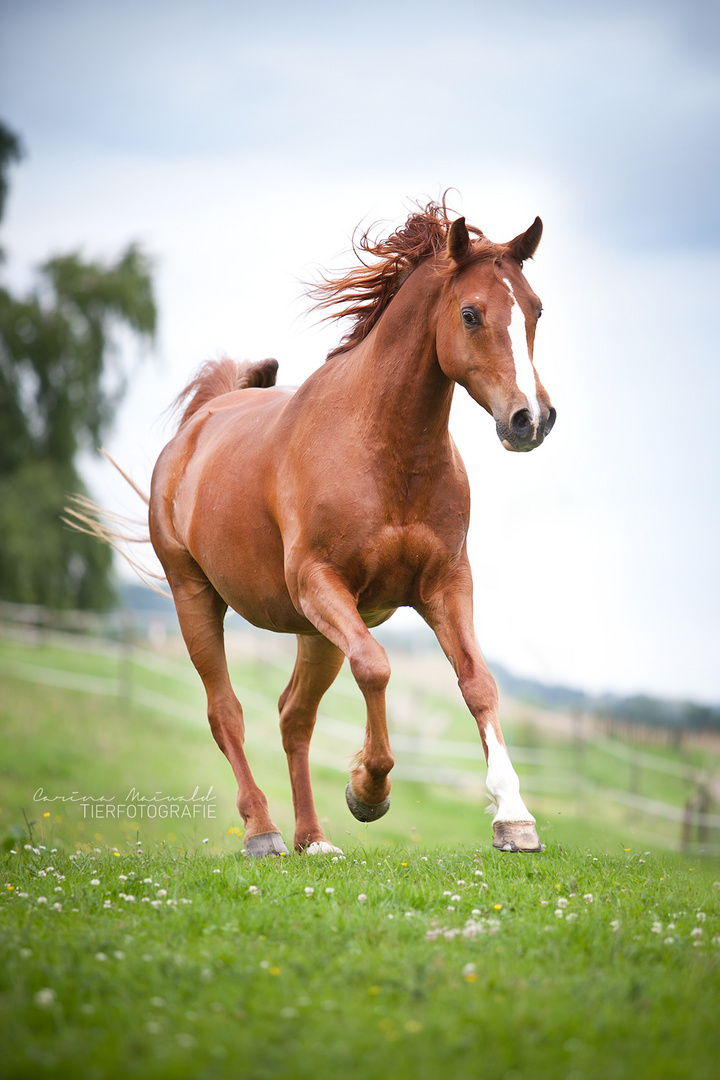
[362,293]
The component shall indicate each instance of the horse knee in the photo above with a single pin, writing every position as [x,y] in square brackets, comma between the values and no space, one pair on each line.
[371,668]
[480,693]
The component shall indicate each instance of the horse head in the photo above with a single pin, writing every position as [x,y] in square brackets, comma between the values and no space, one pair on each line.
[486,332]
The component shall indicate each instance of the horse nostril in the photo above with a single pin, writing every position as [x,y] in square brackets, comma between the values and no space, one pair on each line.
[520,423]
[550,422]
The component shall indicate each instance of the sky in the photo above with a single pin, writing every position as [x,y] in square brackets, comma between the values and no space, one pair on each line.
[241,145]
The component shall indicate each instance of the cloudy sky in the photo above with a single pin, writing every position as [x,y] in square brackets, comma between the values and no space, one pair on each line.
[240,144]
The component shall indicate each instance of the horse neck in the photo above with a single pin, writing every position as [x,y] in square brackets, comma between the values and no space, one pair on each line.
[396,374]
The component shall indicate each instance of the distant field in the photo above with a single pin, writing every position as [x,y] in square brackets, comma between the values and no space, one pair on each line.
[80,717]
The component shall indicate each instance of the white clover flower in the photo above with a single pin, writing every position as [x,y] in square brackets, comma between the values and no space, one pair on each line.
[562,901]
[45,998]
[42,899]
[362,898]
[696,933]
[668,940]
[468,971]
[454,897]
[701,916]
[559,913]
[329,891]
[57,907]
[100,956]
[147,881]
[107,904]
[253,890]
[58,888]
[162,892]
[42,873]
[479,873]
[589,898]
[156,903]
[615,924]
[95,881]
[119,954]
[570,916]
[656,928]
[309,890]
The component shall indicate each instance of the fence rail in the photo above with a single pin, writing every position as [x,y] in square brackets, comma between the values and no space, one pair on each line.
[340,738]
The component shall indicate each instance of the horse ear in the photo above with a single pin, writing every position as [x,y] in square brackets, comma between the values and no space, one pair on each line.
[525,245]
[458,240]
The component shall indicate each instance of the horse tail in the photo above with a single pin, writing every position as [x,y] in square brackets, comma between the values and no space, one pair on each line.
[218,377]
[121,533]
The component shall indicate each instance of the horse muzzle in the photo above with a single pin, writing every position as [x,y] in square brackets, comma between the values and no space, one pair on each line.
[522,433]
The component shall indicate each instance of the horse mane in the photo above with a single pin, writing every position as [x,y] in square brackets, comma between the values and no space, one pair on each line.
[363,292]
[217,377]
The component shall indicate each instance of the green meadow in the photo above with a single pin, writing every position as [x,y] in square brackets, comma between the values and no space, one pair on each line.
[141,942]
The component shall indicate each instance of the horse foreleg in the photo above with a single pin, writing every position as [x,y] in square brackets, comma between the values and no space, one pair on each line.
[201,612]
[318,662]
[329,605]
[450,616]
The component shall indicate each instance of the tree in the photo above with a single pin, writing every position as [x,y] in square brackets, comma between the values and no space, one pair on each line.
[61,381]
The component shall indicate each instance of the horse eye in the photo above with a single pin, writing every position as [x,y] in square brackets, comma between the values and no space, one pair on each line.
[540,311]
[470,317]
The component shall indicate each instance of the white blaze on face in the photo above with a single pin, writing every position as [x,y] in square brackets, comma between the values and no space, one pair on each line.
[524,370]
[502,782]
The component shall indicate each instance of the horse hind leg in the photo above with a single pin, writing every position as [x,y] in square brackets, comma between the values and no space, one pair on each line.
[201,612]
[318,662]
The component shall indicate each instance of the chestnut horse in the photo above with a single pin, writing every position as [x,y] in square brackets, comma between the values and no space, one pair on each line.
[319,511]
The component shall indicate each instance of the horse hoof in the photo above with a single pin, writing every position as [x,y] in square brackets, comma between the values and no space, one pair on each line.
[321,847]
[516,836]
[365,811]
[268,843]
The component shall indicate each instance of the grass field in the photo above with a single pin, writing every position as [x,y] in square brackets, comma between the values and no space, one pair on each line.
[150,947]
[168,962]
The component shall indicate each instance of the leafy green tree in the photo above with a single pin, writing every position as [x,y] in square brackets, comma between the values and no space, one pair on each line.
[61,381]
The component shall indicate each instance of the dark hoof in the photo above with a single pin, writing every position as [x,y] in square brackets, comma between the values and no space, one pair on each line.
[365,811]
[268,843]
[516,836]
